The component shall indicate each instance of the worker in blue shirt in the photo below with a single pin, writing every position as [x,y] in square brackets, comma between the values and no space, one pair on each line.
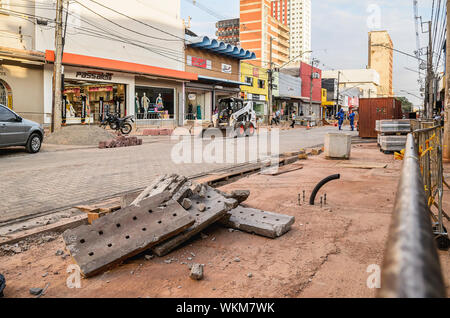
[352,120]
[340,115]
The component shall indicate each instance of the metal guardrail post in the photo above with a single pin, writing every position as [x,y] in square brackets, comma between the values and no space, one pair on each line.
[411,266]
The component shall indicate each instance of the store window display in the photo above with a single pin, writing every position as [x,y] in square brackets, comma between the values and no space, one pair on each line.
[89,103]
[154,102]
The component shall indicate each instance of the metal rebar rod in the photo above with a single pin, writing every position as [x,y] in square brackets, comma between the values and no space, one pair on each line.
[411,266]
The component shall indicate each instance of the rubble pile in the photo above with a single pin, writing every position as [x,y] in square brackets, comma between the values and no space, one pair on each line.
[168,213]
[120,141]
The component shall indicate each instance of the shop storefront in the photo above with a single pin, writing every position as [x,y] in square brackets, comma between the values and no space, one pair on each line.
[218,67]
[90,92]
[260,104]
[287,95]
[256,88]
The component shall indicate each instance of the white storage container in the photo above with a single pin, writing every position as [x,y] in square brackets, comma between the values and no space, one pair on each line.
[338,146]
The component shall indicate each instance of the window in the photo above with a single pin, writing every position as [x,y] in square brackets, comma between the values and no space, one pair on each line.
[261,83]
[6,114]
[249,80]
[3,94]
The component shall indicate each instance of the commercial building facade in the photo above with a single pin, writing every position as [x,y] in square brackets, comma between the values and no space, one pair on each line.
[106,67]
[257,88]
[366,80]
[218,66]
[287,95]
[381,59]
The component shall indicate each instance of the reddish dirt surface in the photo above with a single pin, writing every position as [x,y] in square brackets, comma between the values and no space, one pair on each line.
[326,253]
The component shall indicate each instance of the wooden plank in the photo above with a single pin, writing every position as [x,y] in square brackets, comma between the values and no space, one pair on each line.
[362,165]
[260,222]
[216,206]
[59,226]
[104,206]
[283,170]
[217,177]
[125,233]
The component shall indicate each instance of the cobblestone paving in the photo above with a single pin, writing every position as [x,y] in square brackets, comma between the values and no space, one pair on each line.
[49,180]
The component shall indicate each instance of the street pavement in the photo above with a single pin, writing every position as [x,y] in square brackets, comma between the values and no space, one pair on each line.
[60,176]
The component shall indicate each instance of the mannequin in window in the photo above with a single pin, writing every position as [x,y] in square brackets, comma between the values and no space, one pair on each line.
[145,102]
[159,101]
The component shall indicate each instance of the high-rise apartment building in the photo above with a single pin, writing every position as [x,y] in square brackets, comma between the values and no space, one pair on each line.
[296,14]
[381,59]
[228,31]
[257,27]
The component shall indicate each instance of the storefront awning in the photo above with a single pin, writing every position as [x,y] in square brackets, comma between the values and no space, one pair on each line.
[115,65]
[221,81]
[223,48]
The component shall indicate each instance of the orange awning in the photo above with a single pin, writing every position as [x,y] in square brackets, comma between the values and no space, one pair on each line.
[115,65]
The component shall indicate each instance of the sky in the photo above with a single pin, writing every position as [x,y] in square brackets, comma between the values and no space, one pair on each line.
[340,32]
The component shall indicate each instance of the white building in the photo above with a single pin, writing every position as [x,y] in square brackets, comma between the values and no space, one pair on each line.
[366,80]
[296,14]
[115,52]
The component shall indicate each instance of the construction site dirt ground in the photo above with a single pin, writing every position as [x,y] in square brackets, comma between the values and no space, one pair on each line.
[325,254]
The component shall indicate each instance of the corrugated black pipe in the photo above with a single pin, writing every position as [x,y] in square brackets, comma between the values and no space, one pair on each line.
[320,185]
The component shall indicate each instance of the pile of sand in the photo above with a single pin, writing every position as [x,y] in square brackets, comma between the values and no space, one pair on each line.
[79,135]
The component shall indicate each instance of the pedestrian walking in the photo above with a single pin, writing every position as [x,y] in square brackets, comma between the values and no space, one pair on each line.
[293,119]
[352,120]
[340,117]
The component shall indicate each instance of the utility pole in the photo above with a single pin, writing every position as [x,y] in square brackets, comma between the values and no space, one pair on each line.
[446,143]
[338,92]
[429,98]
[270,82]
[311,86]
[57,69]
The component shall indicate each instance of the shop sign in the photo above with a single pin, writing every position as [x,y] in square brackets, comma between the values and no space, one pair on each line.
[199,62]
[95,75]
[192,96]
[226,68]
[101,89]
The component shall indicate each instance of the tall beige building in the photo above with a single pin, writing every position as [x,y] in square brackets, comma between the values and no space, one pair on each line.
[381,59]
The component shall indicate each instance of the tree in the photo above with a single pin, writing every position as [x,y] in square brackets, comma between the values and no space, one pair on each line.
[407,106]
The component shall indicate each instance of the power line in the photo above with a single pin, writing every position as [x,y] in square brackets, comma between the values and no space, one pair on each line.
[136,20]
[119,25]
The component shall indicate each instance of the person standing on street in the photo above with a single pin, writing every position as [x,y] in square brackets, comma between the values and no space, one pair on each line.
[293,119]
[340,117]
[352,120]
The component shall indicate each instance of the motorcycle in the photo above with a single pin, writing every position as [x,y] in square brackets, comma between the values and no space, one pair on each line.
[117,123]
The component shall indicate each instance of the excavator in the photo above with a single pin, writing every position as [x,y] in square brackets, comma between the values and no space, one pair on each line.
[235,117]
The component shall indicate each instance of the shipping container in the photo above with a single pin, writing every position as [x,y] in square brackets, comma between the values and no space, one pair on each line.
[373,109]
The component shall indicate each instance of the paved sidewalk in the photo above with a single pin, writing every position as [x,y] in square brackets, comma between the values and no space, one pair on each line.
[57,178]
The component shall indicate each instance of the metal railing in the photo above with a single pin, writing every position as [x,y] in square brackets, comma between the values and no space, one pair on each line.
[411,266]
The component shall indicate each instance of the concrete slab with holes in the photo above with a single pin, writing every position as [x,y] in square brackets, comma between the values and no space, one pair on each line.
[260,222]
[125,233]
[214,206]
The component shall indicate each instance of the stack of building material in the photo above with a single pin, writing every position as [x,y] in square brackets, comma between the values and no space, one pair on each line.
[392,134]
[166,214]
[120,141]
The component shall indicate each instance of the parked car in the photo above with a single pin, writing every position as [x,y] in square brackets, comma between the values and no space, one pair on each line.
[16,131]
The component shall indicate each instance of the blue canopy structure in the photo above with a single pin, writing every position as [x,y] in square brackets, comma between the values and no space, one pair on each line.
[222,48]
